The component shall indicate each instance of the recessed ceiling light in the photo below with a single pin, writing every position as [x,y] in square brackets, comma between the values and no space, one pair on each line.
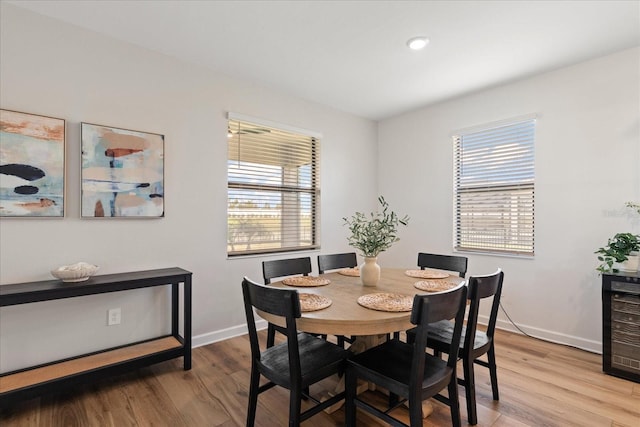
[417,43]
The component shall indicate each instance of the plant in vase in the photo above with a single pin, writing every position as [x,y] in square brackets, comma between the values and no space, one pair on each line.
[621,248]
[372,234]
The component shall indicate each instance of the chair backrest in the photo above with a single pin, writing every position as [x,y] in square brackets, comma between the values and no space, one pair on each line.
[285,267]
[443,262]
[432,308]
[336,261]
[276,301]
[481,287]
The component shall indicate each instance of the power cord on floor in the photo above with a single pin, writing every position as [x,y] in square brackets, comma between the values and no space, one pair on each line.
[514,323]
[531,336]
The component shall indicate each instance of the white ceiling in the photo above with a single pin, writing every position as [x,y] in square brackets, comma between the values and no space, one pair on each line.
[351,55]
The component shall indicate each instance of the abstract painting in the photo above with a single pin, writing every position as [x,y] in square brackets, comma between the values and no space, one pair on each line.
[31,165]
[122,173]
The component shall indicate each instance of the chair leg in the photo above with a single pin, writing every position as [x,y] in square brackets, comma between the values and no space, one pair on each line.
[411,338]
[351,385]
[470,390]
[393,399]
[454,402]
[395,336]
[340,341]
[415,409]
[254,384]
[271,335]
[295,404]
[493,371]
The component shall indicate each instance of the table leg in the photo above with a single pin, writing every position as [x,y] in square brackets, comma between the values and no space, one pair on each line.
[360,344]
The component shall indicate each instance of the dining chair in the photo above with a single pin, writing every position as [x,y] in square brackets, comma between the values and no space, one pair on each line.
[281,268]
[285,267]
[474,343]
[297,363]
[336,261]
[443,262]
[406,370]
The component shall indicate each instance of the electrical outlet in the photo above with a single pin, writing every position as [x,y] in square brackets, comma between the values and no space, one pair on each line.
[114,316]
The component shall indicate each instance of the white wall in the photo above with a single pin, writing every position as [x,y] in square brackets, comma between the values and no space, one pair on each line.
[587,157]
[51,68]
[587,167]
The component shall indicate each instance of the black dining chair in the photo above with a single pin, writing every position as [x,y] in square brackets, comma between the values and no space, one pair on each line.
[454,263]
[296,364]
[443,262]
[282,268]
[336,261]
[285,267]
[474,343]
[406,370]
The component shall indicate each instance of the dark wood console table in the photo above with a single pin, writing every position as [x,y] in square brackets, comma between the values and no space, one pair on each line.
[36,380]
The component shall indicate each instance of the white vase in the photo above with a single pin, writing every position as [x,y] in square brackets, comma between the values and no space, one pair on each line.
[631,264]
[370,271]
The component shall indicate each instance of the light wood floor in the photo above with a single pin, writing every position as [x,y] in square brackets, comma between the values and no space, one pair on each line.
[541,384]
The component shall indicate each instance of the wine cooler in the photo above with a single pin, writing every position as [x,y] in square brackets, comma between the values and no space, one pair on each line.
[621,325]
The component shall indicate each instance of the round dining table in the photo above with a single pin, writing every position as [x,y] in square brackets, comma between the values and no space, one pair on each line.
[345,316]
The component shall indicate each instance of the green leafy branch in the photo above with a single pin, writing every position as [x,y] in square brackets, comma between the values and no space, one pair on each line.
[376,232]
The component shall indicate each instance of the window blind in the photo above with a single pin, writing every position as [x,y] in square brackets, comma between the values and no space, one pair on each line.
[273,189]
[494,189]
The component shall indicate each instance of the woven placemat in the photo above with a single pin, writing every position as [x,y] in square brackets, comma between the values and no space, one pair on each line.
[313,302]
[426,274]
[383,301]
[354,272]
[434,285]
[306,281]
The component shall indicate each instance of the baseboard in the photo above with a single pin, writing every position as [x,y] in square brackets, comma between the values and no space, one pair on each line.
[551,336]
[223,334]
[543,334]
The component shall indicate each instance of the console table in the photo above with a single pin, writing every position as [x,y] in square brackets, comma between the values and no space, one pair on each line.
[36,380]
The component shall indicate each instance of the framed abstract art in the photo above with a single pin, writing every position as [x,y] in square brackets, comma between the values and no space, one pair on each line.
[32,165]
[122,173]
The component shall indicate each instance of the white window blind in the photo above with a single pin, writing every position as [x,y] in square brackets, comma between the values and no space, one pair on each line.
[273,189]
[494,189]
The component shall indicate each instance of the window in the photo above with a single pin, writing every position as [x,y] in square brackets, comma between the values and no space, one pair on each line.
[273,188]
[494,189]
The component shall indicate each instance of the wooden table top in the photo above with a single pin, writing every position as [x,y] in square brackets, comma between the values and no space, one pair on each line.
[345,316]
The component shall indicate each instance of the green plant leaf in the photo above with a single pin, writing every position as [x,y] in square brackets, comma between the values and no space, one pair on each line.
[376,232]
[617,250]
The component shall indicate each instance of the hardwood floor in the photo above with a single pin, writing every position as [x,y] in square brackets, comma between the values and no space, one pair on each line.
[541,384]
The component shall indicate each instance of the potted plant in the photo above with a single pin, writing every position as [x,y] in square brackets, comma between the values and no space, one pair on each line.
[373,234]
[620,253]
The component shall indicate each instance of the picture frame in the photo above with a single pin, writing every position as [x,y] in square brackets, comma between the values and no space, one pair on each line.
[32,165]
[122,173]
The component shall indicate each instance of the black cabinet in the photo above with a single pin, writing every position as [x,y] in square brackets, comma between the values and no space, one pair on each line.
[621,325]
[36,380]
